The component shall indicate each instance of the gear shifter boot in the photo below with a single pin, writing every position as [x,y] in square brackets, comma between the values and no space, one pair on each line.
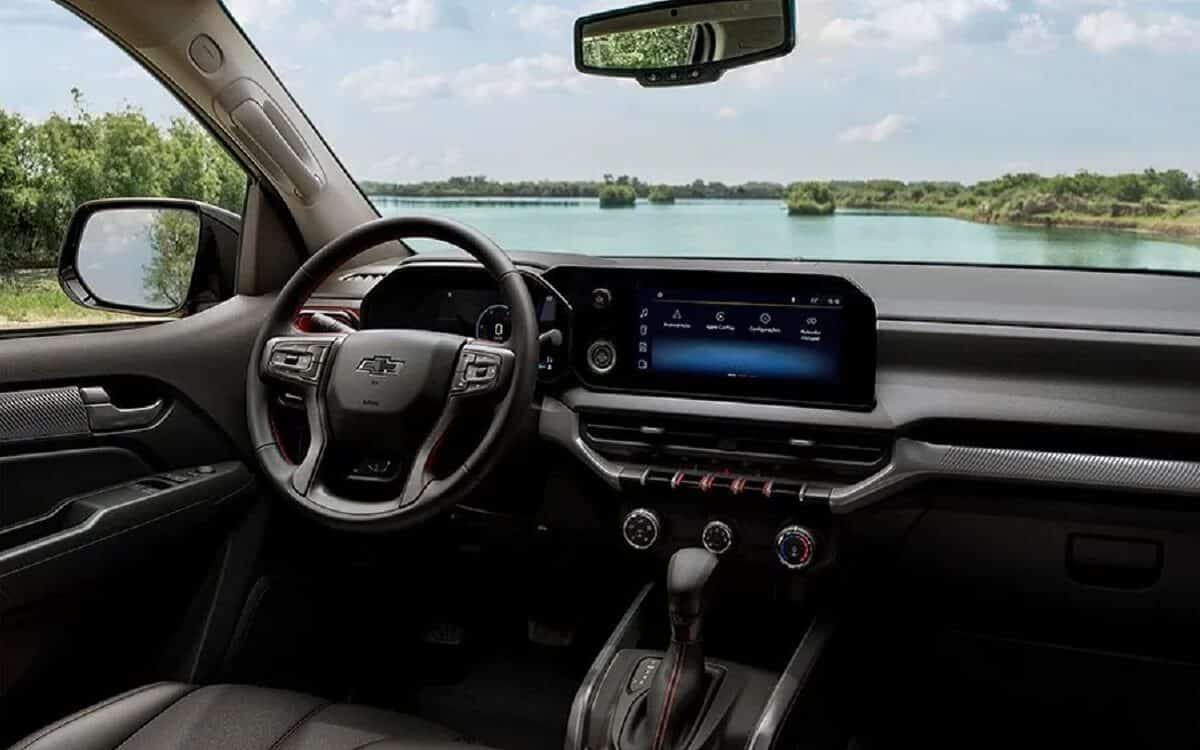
[678,687]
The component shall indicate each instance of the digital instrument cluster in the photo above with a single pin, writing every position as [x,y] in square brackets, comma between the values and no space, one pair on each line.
[466,301]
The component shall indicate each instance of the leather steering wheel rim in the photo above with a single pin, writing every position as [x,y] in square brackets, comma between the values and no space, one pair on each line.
[516,375]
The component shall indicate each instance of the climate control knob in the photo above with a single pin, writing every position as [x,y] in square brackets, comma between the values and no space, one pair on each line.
[641,528]
[796,547]
[717,537]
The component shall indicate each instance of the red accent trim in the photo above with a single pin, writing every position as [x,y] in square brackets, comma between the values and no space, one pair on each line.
[660,735]
[738,485]
[302,321]
[706,482]
[675,480]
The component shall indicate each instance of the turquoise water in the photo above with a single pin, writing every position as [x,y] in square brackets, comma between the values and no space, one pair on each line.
[762,229]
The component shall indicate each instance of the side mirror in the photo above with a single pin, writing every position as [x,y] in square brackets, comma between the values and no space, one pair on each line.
[684,42]
[149,256]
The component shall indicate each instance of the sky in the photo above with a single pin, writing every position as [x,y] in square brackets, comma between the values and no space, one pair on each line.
[409,90]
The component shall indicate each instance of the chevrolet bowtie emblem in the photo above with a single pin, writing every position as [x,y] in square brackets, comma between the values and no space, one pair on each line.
[380,364]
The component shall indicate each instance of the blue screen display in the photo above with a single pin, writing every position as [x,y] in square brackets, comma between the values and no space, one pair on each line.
[704,334]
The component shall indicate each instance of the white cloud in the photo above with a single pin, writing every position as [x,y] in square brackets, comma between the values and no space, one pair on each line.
[1113,30]
[761,76]
[405,15]
[541,18]
[908,22]
[259,12]
[925,65]
[392,81]
[310,31]
[727,113]
[35,13]
[876,132]
[129,72]
[1032,35]
[406,165]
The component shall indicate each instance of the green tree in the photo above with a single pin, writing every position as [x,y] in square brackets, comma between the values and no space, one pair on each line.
[665,47]
[615,195]
[663,194]
[810,199]
[174,239]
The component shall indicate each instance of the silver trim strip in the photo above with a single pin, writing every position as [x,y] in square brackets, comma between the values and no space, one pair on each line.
[560,425]
[625,635]
[915,461]
[791,682]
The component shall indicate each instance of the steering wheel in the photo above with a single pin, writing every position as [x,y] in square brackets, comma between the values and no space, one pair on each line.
[396,389]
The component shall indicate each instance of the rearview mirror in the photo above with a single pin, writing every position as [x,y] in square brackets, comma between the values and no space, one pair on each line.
[140,255]
[683,42]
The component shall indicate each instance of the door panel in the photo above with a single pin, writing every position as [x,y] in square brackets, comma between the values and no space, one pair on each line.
[124,468]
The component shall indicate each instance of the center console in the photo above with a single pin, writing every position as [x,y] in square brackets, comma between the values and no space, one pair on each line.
[647,692]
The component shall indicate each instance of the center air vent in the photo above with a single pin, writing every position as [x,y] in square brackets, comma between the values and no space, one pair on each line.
[768,449]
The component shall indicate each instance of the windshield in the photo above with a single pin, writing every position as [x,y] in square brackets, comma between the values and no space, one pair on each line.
[1029,132]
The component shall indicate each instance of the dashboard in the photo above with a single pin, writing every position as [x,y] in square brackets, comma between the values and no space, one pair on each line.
[764,395]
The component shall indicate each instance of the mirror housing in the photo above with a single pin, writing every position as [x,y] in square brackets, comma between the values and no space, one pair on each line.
[113,256]
[683,42]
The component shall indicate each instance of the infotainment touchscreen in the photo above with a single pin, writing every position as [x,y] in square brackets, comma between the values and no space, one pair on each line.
[740,335]
[774,337]
[787,338]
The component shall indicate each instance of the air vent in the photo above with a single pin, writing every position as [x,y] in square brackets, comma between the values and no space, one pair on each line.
[772,449]
[363,276]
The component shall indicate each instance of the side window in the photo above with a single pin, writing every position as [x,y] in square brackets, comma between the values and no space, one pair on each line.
[88,123]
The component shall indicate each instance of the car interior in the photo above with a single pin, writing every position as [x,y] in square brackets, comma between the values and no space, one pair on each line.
[349,496]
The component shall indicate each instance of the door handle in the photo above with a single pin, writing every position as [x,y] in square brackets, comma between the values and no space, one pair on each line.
[105,416]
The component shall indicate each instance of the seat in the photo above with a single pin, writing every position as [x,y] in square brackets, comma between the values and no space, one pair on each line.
[174,716]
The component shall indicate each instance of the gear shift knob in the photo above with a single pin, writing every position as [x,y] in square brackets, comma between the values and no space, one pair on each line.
[688,577]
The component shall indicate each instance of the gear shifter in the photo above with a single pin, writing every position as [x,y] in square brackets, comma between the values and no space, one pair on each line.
[678,687]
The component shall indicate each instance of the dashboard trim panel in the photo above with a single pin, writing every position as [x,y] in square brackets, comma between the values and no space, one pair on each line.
[915,461]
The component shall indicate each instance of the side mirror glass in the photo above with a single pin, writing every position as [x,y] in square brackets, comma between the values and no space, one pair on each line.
[150,256]
[683,42]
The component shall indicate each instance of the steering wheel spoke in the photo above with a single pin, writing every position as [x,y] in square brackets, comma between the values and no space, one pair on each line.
[304,362]
[420,484]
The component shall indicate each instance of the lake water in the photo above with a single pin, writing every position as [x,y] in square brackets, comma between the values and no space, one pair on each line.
[763,229]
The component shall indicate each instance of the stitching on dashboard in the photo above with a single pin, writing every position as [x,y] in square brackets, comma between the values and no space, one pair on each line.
[78,715]
[307,717]
[147,722]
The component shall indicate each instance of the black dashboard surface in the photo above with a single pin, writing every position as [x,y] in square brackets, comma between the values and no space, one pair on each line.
[1029,297]
[1061,349]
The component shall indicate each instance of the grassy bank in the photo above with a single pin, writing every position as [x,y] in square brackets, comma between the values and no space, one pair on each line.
[32,297]
[1183,225]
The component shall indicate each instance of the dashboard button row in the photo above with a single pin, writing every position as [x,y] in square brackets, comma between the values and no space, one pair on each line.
[736,486]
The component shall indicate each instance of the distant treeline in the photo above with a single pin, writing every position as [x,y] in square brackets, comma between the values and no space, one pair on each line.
[481,187]
[1169,185]
[1158,202]
[48,168]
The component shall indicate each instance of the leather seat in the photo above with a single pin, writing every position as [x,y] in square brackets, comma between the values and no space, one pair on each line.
[173,716]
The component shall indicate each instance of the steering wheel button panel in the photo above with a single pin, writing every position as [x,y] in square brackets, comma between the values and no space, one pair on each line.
[480,370]
[298,360]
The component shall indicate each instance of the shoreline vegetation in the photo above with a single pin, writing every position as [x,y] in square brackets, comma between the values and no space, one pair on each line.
[1164,204]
